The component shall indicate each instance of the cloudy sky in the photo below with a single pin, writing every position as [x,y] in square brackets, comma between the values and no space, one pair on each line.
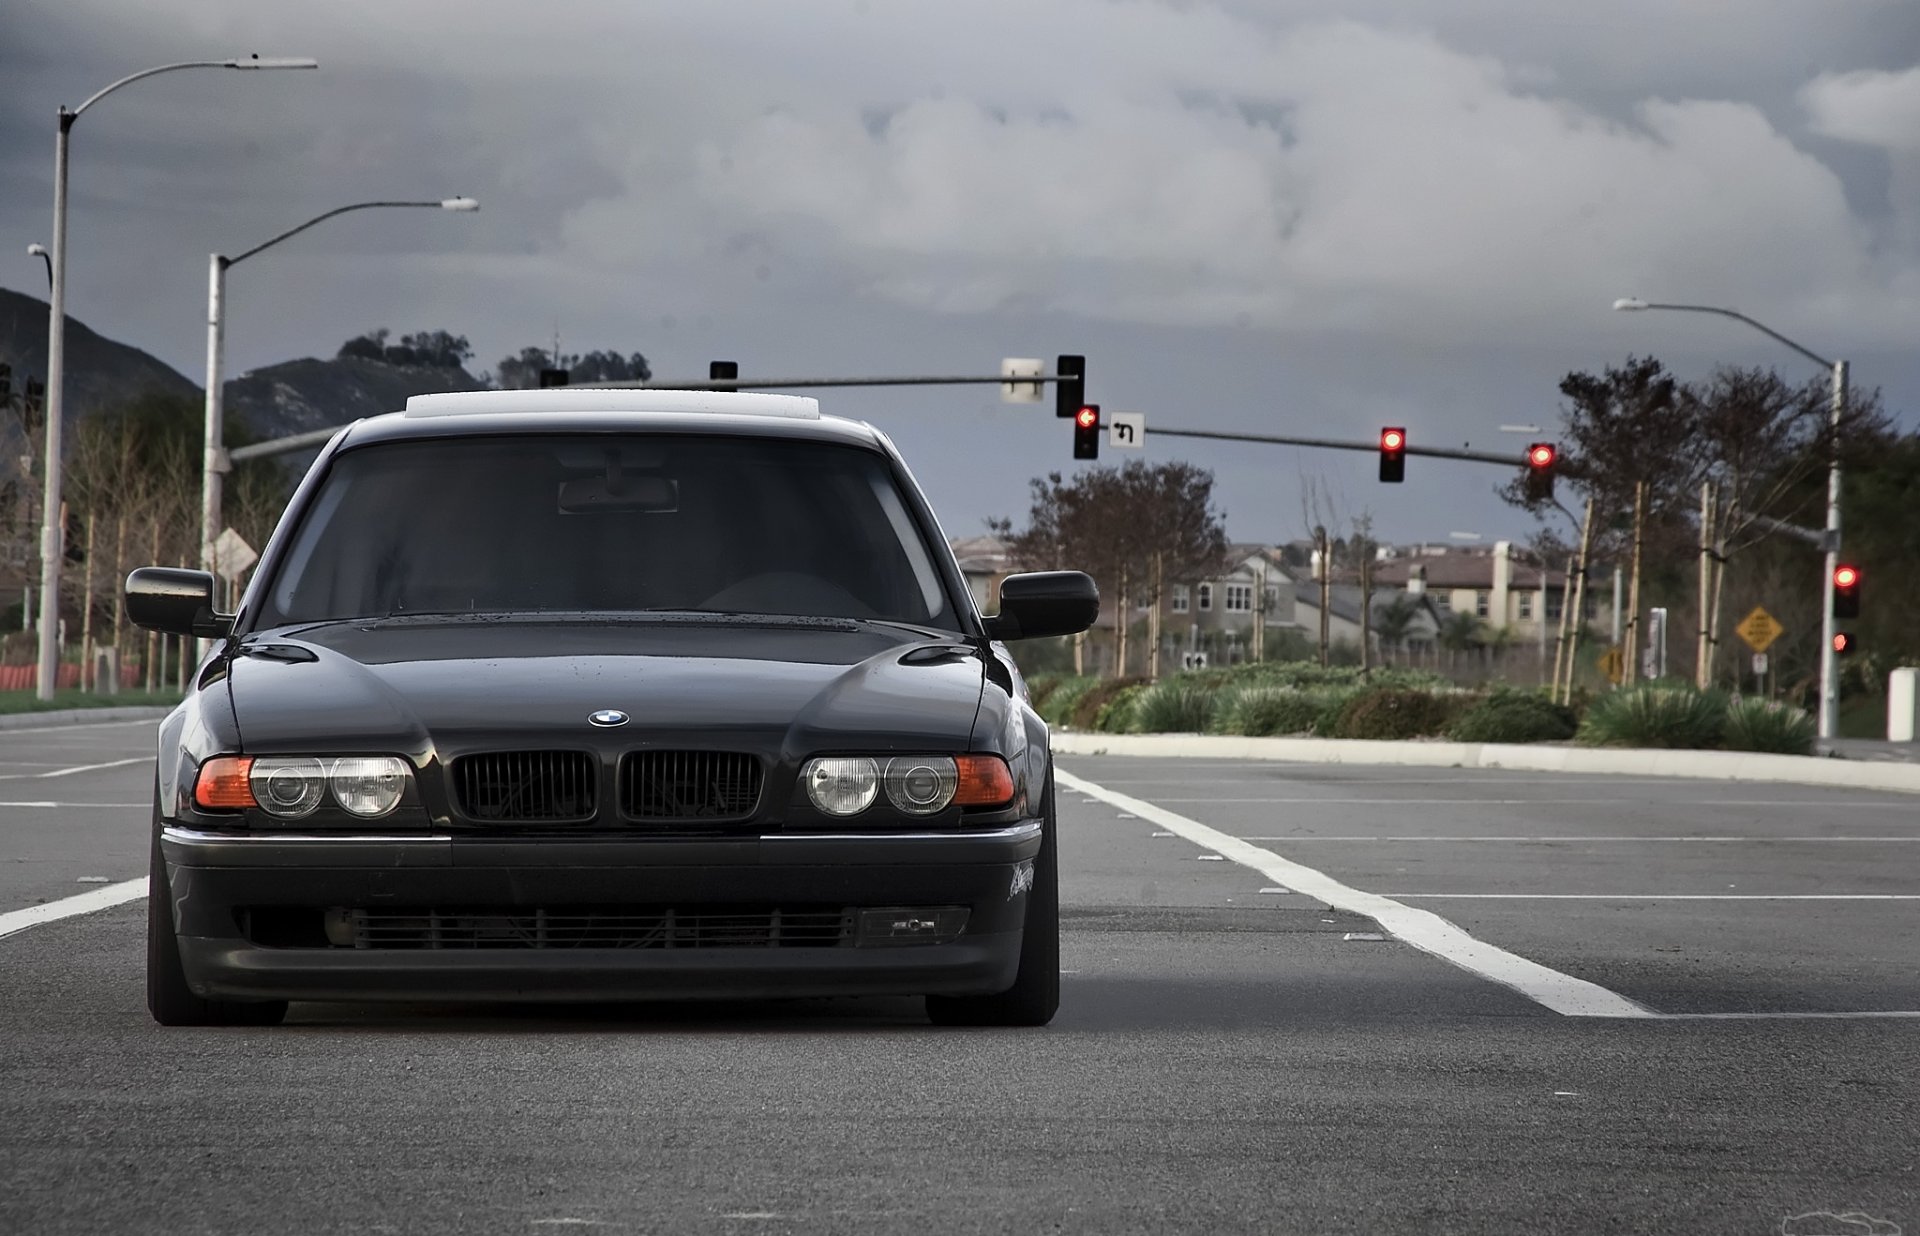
[1284,216]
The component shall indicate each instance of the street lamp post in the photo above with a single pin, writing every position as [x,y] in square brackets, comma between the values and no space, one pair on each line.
[40,251]
[1828,714]
[50,512]
[214,451]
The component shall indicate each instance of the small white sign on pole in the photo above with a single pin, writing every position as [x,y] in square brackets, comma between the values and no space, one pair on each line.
[232,556]
[1128,430]
[1759,665]
[1021,367]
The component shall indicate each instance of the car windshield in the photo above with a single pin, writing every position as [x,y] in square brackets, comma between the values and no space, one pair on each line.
[606,523]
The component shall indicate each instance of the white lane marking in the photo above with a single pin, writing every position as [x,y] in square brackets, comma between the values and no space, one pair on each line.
[56,806]
[1280,779]
[1767,1016]
[1418,837]
[67,907]
[1427,801]
[75,729]
[1423,929]
[1658,896]
[68,772]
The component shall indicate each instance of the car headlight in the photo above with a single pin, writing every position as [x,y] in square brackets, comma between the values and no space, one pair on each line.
[842,785]
[288,787]
[368,785]
[292,787]
[921,784]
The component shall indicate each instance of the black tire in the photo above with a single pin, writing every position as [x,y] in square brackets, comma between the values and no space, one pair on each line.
[169,999]
[1035,995]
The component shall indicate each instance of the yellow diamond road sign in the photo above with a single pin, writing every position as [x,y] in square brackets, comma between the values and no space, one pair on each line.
[1759,629]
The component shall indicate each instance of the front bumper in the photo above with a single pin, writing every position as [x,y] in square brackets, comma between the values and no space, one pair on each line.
[217,881]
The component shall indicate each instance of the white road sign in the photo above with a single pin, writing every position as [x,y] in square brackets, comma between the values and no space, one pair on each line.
[232,556]
[1021,367]
[1127,429]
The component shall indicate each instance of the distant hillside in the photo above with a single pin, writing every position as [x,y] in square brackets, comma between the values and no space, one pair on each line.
[292,397]
[300,396]
[100,372]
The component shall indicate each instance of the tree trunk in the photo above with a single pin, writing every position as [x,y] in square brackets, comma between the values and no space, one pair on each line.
[119,591]
[1579,598]
[1123,623]
[1703,657]
[1366,610]
[1153,619]
[1630,662]
[1326,592]
[86,611]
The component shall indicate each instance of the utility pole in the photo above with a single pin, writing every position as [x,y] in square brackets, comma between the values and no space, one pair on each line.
[1580,596]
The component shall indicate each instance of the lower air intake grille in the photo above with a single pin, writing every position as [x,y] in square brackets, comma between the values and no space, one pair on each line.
[620,927]
[526,786]
[689,785]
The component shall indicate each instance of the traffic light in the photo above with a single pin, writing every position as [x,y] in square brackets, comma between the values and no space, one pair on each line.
[1393,454]
[1541,457]
[6,381]
[1846,592]
[1086,432]
[552,377]
[723,371]
[1070,391]
[1844,643]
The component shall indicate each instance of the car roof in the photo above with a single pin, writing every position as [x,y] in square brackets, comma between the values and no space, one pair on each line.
[591,410]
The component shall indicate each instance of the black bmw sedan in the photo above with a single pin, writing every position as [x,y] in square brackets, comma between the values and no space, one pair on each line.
[605,695]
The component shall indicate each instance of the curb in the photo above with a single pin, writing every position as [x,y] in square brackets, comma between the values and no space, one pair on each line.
[79,716]
[1696,765]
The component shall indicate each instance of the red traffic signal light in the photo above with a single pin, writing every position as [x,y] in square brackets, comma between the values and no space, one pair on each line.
[1541,457]
[1846,592]
[1844,643]
[1086,432]
[1393,454]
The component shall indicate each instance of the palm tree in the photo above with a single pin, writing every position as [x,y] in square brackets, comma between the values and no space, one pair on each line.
[1461,633]
[1393,621]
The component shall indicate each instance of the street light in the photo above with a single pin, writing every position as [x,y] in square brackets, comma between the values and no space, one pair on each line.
[50,521]
[1828,713]
[214,451]
[40,251]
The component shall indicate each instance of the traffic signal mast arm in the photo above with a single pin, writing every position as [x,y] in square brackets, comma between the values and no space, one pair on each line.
[1371,446]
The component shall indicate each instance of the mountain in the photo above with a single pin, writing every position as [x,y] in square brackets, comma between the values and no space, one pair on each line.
[295,396]
[100,372]
[300,396]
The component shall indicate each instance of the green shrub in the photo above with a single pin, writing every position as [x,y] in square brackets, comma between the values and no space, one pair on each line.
[1333,706]
[1511,715]
[1057,708]
[1393,712]
[1757,724]
[1087,705]
[1175,706]
[1119,715]
[1040,687]
[1259,711]
[1656,715]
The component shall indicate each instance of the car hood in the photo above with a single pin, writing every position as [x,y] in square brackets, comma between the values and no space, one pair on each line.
[445,688]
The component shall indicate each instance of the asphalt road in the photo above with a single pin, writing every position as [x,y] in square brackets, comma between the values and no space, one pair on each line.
[1226,1059]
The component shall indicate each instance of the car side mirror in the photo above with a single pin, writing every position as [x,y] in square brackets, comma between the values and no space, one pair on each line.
[175,601]
[1041,603]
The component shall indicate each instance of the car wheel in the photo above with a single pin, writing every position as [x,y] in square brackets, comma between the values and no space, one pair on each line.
[169,999]
[1035,995]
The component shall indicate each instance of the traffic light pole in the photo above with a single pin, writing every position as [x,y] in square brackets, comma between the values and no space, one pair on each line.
[1334,444]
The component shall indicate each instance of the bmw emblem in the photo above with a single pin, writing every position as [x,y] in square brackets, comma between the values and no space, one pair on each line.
[607,718]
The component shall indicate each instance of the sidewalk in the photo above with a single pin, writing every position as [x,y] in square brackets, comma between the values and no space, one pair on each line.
[1873,749]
